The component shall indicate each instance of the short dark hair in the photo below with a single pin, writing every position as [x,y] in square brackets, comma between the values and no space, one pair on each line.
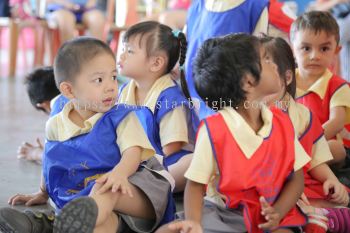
[282,56]
[41,86]
[73,54]
[160,37]
[316,21]
[220,66]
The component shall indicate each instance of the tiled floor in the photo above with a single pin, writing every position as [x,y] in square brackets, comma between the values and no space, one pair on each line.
[19,122]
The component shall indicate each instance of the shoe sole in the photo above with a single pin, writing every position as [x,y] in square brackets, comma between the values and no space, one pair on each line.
[77,216]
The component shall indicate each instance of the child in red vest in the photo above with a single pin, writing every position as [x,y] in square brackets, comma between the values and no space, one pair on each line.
[320,181]
[315,38]
[245,153]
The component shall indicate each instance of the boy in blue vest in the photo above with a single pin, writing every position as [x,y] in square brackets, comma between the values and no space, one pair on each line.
[94,148]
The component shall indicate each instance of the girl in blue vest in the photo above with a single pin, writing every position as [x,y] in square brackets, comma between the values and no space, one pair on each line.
[98,149]
[245,153]
[151,50]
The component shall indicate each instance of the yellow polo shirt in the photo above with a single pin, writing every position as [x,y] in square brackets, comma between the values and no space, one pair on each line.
[300,117]
[173,127]
[341,98]
[225,5]
[203,168]
[130,131]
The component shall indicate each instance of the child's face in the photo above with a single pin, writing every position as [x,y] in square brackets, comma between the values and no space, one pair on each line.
[270,82]
[314,53]
[95,88]
[133,60]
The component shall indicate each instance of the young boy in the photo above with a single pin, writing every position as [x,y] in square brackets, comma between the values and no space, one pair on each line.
[95,148]
[315,38]
[41,89]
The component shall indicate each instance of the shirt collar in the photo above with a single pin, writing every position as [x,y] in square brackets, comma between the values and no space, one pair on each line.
[245,136]
[127,96]
[319,87]
[67,129]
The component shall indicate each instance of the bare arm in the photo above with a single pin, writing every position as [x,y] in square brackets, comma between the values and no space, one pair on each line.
[194,193]
[290,193]
[336,122]
[117,179]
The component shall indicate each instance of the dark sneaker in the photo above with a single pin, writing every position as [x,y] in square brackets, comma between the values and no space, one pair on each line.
[77,216]
[14,221]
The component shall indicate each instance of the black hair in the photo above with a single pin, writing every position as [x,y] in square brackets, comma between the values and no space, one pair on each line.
[160,37]
[73,54]
[316,21]
[220,66]
[41,86]
[282,56]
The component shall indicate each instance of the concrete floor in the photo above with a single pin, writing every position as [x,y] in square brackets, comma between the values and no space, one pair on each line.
[19,122]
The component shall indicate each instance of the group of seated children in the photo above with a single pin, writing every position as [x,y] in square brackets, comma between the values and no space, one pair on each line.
[260,163]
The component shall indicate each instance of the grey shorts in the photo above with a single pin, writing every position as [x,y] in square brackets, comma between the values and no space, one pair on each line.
[217,219]
[156,188]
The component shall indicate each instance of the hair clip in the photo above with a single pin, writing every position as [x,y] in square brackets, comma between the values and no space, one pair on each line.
[176,32]
[182,68]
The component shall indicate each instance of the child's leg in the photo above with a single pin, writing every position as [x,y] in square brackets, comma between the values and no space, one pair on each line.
[95,22]
[178,169]
[66,24]
[137,206]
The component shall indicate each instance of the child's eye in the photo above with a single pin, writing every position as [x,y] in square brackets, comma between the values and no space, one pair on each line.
[98,80]
[305,48]
[114,78]
[129,50]
[325,49]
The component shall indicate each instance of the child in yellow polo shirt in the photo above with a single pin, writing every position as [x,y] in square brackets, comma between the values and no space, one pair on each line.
[95,148]
[244,153]
[151,51]
[315,37]
[322,187]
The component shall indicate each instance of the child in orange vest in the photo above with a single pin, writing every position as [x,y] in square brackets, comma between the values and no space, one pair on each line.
[315,38]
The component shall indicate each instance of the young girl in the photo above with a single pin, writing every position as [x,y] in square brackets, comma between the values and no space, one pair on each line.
[245,153]
[96,148]
[322,187]
[151,51]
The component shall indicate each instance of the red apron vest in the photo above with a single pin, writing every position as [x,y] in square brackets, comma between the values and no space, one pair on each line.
[243,180]
[313,188]
[320,107]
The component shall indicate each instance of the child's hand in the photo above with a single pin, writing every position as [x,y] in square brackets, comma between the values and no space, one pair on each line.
[31,152]
[336,192]
[271,215]
[186,226]
[114,181]
[38,198]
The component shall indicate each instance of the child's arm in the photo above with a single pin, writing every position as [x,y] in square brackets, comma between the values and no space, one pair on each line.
[336,122]
[38,198]
[330,182]
[117,179]
[194,193]
[288,198]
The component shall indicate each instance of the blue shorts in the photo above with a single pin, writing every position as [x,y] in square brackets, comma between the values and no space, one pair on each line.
[78,14]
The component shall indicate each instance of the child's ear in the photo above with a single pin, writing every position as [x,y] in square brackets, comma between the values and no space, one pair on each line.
[289,77]
[67,90]
[248,83]
[157,63]
[337,49]
[45,105]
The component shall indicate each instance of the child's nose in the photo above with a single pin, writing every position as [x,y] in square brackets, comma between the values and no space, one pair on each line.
[315,54]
